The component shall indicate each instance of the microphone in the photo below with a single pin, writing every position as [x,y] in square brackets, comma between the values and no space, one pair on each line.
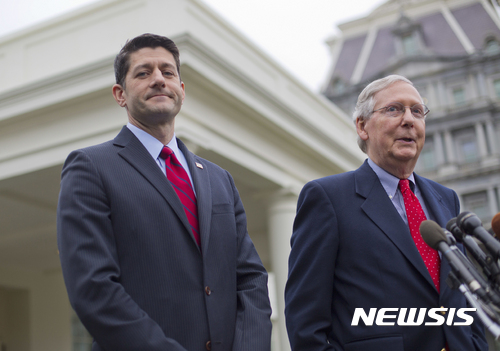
[471,224]
[488,265]
[495,225]
[435,237]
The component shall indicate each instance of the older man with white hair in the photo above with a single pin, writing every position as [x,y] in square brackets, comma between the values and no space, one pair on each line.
[356,243]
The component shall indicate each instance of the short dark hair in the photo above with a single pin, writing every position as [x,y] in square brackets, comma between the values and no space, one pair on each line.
[146,40]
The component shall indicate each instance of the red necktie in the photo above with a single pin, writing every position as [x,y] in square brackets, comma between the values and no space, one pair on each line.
[416,215]
[182,185]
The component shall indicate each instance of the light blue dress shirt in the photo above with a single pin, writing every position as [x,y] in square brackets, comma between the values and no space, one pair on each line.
[391,187]
[154,147]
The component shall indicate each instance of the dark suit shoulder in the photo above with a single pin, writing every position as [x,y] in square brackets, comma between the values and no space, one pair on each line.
[335,181]
[125,138]
[191,157]
[433,191]
[447,193]
[209,164]
[433,184]
[98,155]
[98,149]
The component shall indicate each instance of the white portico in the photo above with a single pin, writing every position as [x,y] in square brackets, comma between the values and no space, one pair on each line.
[242,111]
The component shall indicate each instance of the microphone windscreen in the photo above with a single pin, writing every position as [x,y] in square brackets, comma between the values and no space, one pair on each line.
[495,225]
[454,229]
[432,233]
[460,218]
[451,223]
[468,222]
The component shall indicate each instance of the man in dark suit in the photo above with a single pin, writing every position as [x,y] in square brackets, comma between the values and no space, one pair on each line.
[152,239]
[355,241]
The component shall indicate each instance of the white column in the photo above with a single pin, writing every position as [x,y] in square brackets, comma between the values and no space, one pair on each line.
[481,85]
[443,96]
[492,201]
[472,88]
[481,141]
[438,147]
[450,150]
[490,132]
[281,216]
[432,97]
[461,201]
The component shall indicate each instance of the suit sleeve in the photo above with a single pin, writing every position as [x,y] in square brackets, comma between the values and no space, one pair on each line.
[309,289]
[253,323]
[91,270]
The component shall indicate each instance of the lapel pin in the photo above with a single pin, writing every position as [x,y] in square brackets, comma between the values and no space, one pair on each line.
[199,165]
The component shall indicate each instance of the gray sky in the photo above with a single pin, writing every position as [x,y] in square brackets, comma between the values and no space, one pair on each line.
[292,32]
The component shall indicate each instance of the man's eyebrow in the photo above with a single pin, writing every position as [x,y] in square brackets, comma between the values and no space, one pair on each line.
[144,65]
[168,65]
[149,65]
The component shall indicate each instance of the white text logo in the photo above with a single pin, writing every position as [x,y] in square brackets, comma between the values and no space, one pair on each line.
[409,317]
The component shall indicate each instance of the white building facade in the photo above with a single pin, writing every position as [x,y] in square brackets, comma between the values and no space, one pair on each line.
[242,111]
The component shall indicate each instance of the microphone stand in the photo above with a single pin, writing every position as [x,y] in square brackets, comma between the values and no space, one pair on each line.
[488,323]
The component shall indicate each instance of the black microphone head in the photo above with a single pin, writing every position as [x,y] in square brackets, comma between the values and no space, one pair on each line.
[454,229]
[450,239]
[468,221]
[451,222]
[432,233]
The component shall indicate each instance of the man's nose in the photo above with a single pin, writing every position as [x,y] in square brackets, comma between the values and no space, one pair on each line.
[157,78]
[408,118]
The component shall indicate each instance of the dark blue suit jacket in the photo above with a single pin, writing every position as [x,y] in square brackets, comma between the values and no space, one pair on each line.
[351,249]
[134,273]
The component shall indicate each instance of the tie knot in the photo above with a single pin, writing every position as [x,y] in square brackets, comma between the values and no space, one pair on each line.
[404,184]
[166,152]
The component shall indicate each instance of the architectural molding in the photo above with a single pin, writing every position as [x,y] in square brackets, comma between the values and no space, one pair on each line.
[457,29]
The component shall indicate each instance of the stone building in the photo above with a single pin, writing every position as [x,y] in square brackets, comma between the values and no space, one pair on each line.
[451,51]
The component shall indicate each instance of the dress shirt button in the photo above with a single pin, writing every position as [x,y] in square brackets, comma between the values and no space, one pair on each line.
[208,291]
[208,345]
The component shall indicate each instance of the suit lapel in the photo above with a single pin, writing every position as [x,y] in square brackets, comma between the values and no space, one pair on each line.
[380,209]
[136,154]
[438,211]
[201,184]
[441,214]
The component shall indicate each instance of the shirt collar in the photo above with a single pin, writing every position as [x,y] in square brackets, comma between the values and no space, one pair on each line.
[389,182]
[153,145]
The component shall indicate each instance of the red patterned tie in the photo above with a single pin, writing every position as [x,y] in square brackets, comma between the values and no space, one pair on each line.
[182,185]
[416,215]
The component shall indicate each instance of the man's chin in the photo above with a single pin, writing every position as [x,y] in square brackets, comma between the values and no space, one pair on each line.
[407,155]
[164,110]
[407,160]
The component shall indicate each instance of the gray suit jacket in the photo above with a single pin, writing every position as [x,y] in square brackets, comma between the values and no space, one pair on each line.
[134,273]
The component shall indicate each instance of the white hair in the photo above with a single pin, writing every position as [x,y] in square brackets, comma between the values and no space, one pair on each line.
[366,102]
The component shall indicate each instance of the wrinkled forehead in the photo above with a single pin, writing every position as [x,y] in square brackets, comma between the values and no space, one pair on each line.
[400,91]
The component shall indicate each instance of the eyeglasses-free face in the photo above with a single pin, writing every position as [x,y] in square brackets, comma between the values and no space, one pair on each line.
[397,109]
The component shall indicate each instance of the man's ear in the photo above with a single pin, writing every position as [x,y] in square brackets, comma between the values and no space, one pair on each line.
[183,92]
[119,95]
[360,128]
